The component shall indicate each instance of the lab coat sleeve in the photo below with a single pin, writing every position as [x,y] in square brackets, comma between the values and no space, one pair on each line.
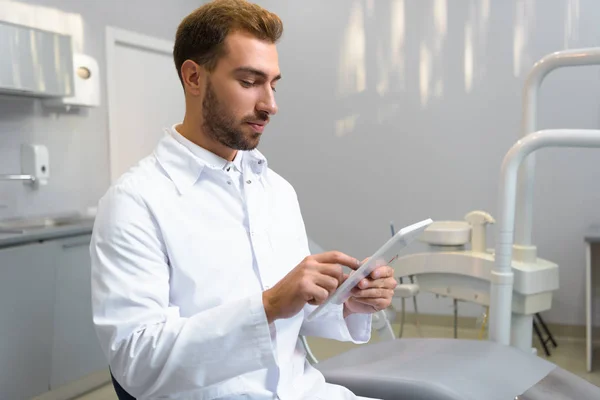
[152,350]
[331,324]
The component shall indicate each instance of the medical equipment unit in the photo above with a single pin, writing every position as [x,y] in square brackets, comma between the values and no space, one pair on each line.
[511,279]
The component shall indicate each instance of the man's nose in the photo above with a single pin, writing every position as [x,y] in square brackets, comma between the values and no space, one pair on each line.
[267,102]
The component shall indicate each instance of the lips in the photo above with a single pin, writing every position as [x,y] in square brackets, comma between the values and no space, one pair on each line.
[257,126]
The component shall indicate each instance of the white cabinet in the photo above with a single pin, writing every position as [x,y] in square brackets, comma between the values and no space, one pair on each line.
[47,337]
[75,349]
[27,290]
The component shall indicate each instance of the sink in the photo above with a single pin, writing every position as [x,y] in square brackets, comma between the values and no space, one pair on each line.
[30,224]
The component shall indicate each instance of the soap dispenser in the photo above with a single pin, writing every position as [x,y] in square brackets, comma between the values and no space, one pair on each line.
[35,161]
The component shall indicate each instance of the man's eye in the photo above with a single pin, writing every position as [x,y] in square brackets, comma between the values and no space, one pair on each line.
[273,89]
[247,84]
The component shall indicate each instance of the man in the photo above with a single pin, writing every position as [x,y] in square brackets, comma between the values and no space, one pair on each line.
[201,272]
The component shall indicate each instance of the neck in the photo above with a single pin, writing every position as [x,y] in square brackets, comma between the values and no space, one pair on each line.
[192,131]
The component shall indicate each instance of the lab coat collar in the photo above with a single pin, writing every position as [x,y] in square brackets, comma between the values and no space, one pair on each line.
[210,159]
[256,161]
[184,163]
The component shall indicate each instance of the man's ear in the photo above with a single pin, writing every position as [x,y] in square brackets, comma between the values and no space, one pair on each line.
[192,76]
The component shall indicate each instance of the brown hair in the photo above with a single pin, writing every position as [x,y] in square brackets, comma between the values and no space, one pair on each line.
[201,35]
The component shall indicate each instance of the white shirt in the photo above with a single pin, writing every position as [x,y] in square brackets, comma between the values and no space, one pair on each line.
[181,254]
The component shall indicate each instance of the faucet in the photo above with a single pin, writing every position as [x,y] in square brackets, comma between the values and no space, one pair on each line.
[26,178]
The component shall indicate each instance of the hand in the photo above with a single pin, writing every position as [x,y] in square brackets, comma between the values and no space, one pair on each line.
[311,281]
[372,294]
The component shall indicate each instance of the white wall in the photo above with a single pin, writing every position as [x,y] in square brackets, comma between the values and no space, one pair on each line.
[402,110]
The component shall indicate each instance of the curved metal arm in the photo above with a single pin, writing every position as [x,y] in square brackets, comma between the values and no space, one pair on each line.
[589,56]
[502,275]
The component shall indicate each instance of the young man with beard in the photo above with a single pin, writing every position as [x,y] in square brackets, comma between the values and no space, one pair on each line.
[201,272]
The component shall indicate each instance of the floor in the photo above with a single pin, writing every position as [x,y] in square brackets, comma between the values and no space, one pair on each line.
[570,353]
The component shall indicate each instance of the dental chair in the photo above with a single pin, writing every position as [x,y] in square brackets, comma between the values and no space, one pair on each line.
[451,369]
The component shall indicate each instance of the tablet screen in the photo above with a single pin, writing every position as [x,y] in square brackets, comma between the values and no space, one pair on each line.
[384,256]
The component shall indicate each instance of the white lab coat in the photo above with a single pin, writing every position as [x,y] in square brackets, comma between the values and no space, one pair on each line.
[180,257]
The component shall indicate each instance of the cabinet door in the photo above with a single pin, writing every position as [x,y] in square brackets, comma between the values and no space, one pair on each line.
[75,351]
[26,313]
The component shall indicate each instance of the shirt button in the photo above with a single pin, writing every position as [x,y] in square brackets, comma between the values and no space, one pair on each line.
[248,181]
[229,182]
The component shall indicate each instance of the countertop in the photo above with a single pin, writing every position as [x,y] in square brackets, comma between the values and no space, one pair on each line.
[52,232]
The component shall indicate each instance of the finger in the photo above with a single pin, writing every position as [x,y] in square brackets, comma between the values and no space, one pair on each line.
[391,283]
[315,295]
[363,284]
[382,272]
[329,283]
[375,293]
[334,270]
[387,283]
[368,283]
[377,304]
[337,257]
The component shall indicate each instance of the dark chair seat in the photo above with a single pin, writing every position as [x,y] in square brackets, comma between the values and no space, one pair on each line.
[121,393]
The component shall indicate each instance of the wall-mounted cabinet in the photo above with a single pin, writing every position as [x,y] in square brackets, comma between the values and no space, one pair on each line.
[34,62]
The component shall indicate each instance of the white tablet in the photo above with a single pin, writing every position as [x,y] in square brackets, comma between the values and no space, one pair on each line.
[384,256]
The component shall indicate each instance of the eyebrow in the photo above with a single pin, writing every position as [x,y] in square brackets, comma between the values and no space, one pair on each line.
[256,72]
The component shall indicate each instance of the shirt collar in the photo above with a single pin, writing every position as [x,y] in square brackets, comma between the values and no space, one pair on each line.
[184,160]
[210,159]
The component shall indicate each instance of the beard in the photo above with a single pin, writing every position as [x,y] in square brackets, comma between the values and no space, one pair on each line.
[221,125]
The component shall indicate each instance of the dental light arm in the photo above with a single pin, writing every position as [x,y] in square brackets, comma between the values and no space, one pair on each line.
[579,57]
[502,274]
